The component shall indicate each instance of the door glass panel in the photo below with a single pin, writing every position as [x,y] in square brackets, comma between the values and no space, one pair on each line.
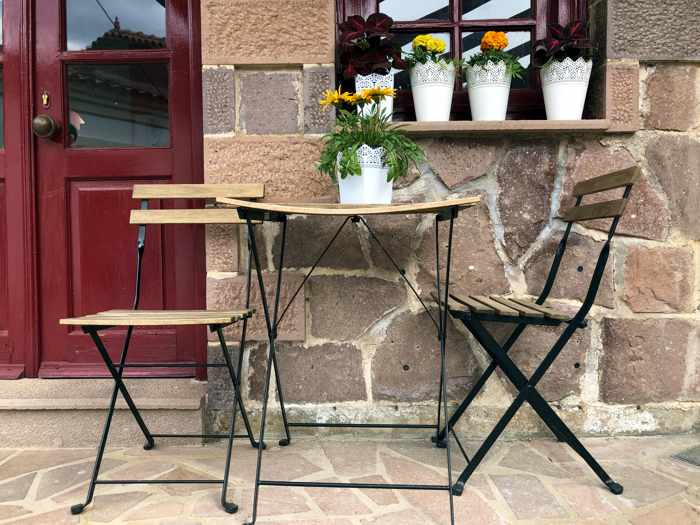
[496,9]
[115,24]
[519,44]
[118,105]
[405,41]
[409,11]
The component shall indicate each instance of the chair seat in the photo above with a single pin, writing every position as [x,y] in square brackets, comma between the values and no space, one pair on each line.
[159,318]
[501,306]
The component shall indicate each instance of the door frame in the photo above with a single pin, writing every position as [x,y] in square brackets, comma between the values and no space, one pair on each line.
[21,195]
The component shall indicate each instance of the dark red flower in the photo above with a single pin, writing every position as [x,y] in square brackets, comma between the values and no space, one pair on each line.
[569,41]
[366,46]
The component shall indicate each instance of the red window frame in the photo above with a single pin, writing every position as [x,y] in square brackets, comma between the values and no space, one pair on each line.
[526,103]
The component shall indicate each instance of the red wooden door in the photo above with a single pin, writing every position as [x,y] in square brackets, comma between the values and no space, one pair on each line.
[121,78]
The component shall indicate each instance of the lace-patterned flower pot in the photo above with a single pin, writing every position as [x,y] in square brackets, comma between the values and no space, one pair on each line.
[386,105]
[564,86]
[432,85]
[371,187]
[488,87]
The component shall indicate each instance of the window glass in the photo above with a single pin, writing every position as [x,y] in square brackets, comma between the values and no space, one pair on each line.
[118,105]
[421,10]
[519,44]
[495,9]
[115,24]
[405,40]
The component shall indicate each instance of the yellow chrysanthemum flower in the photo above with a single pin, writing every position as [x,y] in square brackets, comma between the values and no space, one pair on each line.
[429,43]
[421,41]
[379,92]
[496,40]
[333,97]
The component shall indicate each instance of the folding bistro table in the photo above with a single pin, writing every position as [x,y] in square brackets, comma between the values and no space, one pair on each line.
[444,211]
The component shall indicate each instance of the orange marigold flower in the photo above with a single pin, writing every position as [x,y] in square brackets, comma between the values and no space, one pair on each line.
[496,40]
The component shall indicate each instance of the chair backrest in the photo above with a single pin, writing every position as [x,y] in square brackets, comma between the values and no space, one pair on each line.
[143,216]
[610,209]
[145,192]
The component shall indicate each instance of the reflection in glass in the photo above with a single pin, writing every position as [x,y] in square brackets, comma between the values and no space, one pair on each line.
[115,24]
[518,45]
[118,105]
[409,11]
[496,9]
[404,40]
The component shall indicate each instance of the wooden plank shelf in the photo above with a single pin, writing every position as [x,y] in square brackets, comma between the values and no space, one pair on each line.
[470,127]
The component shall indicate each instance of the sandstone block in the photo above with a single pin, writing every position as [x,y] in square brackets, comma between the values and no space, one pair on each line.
[222,247]
[219,100]
[343,308]
[286,165]
[326,373]
[457,161]
[526,179]
[476,266]
[675,161]
[659,280]
[406,365]
[622,96]
[647,214]
[672,97]
[644,361]
[268,32]
[270,102]
[398,235]
[229,293]
[575,272]
[317,79]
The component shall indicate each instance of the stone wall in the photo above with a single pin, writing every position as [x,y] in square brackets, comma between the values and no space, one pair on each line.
[356,345]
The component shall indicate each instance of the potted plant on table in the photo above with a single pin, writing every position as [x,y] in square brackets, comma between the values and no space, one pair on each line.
[432,79]
[488,77]
[565,59]
[366,153]
[368,53]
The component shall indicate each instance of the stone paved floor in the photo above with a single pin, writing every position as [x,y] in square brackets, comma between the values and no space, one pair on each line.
[521,482]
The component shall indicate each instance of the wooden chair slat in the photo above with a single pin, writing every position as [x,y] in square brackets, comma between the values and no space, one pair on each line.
[547,311]
[500,309]
[186,216]
[157,318]
[473,305]
[198,191]
[524,311]
[599,210]
[610,181]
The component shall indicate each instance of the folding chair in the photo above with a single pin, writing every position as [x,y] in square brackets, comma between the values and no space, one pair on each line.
[216,321]
[474,310]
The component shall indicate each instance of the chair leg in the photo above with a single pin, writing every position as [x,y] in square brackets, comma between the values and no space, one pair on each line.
[118,387]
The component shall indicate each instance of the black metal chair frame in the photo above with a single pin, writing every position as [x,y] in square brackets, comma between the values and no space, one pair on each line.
[527,387]
[273,318]
[116,371]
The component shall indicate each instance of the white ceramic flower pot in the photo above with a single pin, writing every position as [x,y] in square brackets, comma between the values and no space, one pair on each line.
[432,85]
[488,87]
[386,105]
[564,86]
[371,187]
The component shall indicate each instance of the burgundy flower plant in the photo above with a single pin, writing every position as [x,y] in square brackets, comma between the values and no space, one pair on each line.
[570,41]
[366,46]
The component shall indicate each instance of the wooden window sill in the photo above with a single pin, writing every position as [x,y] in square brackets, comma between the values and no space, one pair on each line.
[469,127]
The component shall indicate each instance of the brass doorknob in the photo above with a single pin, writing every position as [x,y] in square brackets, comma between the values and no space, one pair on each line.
[44,126]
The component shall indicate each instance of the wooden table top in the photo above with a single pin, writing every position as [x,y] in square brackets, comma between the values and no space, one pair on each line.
[300,208]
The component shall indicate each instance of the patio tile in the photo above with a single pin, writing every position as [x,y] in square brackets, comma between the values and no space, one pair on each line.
[553,450]
[337,502]
[56,517]
[275,501]
[352,459]
[527,497]
[680,470]
[160,510]
[63,478]
[381,497]
[141,470]
[676,513]
[286,464]
[31,460]
[522,457]
[12,511]
[587,501]
[17,488]
[407,471]
[182,489]
[480,483]
[642,486]
[404,517]
[427,453]
[469,507]
[6,453]
[109,507]
[209,504]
